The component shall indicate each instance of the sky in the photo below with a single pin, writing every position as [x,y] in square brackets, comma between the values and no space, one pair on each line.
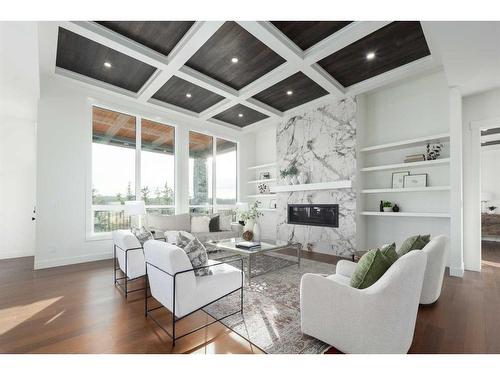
[113,167]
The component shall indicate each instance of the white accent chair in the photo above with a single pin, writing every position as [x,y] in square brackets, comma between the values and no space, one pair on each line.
[378,319]
[437,251]
[173,283]
[127,250]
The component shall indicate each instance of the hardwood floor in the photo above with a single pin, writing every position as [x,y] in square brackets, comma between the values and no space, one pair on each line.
[75,309]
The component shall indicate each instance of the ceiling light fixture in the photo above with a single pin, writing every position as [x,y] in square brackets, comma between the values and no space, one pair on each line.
[289,92]
[188,95]
[240,114]
[234,60]
[107,64]
[370,55]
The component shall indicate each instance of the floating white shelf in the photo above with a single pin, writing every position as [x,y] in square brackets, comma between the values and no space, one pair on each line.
[426,163]
[406,214]
[406,190]
[343,184]
[407,143]
[263,166]
[266,209]
[261,195]
[263,180]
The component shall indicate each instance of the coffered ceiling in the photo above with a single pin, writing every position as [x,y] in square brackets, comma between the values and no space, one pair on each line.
[240,74]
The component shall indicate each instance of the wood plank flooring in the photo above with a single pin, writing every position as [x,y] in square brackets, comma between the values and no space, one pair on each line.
[75,309]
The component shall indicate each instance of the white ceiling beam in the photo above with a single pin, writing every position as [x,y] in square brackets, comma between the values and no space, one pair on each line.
[342,38]
[197,35]
[268,34]
[200,79]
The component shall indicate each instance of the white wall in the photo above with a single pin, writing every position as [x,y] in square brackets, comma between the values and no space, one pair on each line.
[19,89]
[484,106]
[415,108]
[490,178]
[64,158]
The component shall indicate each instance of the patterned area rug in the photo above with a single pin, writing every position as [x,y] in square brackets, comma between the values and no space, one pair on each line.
[271,315]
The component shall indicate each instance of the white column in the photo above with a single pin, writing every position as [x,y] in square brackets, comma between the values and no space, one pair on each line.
[456,181]
[181,170]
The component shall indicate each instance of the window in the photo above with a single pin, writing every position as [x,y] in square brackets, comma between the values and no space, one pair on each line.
[113,168]
[202,182]
[157,167]
[200,172]
[114,175]
[225,172]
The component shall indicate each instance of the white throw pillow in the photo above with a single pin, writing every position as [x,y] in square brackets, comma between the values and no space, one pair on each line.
[225,222]
[200,224]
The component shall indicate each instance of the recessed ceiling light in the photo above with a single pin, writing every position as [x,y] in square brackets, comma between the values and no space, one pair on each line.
[240,114]
[289,92]
[234,60]
[188,95]
[370,55]
[107,64]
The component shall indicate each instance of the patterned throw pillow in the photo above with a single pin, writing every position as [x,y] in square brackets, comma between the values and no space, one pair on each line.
[183,239]
[369,269]
[197,254]
[417,242]
[142,234]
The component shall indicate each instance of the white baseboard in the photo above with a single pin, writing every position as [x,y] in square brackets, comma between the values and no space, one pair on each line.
[457,272]
[18,254]
[48,263]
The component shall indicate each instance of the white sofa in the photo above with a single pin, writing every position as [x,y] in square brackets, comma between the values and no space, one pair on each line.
[172,224]
[437,254]
[173,283]
[130,256]
[378,319]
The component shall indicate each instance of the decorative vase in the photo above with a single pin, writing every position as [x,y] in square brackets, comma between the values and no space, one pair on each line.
[249,225]
[288,180]
[387,209]
[294,180]
[256,232]
[302,177]
[395,208]
[381,206]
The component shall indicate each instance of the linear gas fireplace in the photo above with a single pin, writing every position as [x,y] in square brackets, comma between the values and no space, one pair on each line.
[321,215]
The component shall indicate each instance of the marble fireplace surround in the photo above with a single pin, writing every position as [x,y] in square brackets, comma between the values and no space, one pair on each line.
[322,143]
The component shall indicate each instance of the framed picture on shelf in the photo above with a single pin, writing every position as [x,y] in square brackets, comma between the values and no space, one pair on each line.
[398,179]
[265,175]
[273,203]
[415,180]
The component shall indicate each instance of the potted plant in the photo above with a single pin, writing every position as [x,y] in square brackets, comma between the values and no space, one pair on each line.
[249,216]
[285,175]
[387,206]
[293,172]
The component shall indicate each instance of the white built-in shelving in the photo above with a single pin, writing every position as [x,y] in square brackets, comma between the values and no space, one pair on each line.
[262,180]
[406,190]
[266,209]
[416,164]
[420,141]
[261,195]
[406,214]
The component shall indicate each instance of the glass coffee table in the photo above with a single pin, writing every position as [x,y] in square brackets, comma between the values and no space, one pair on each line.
[265,247]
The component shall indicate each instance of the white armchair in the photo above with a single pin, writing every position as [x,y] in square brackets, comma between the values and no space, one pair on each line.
[378,319]
[127,250]
[437,251]
[173,283]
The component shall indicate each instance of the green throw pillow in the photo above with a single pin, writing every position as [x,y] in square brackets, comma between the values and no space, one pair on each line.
[369,269]
[390,252]
[417,242]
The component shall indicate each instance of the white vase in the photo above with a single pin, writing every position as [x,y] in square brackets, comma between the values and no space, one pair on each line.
[294,180]
[288,180]
[249,224]
[302,177]
[387,209]
[256,232]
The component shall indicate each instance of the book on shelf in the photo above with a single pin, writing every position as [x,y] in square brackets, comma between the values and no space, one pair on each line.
[248,245]
[414,158]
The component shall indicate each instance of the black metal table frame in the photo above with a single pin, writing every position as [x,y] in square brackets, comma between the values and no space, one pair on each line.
[175,319]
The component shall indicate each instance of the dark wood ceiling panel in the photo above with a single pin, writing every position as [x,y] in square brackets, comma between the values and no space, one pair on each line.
[394,45]
[306,34]
[232,116]
[86,57]
[254,58]
[161,36]
[302,88]
[175,92]
[490,131]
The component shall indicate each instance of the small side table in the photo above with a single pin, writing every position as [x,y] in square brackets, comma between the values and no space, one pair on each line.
[356,256]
